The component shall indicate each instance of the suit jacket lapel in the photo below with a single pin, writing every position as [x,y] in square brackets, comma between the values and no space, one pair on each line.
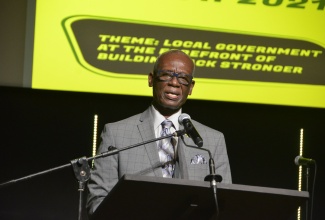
[147,133]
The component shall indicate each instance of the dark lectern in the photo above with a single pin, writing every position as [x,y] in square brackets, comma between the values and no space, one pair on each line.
[142,197]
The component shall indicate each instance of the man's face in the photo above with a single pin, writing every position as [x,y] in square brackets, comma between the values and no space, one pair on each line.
[169,96]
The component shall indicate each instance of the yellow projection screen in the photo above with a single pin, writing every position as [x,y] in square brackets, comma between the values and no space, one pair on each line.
[252,51]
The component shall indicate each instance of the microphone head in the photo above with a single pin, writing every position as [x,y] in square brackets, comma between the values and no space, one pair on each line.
[301,161]
[182,117]
[297,160]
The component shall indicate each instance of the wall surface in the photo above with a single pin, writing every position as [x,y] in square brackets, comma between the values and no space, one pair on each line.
[12,41]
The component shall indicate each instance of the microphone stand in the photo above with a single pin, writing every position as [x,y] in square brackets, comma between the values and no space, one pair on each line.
[82,170]
[307,189]
[212,177]
[310,205]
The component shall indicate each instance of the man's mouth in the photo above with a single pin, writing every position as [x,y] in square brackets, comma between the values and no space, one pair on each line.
[172,96]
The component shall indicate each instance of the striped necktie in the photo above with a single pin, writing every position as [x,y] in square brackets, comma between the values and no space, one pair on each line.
[166,150]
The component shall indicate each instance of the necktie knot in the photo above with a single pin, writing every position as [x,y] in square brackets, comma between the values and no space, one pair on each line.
[167,124]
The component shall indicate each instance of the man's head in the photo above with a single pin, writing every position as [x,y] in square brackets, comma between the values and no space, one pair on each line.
[172,81]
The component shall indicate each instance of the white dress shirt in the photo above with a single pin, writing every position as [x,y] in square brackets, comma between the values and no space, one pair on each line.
[158,119]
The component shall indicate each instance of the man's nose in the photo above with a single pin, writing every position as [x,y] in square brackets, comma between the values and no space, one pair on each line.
[174,81]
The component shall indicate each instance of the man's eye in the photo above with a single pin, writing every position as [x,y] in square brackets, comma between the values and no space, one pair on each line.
[183,79]
[166,74]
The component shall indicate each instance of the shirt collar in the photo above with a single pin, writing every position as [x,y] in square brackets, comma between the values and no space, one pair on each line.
[158,118]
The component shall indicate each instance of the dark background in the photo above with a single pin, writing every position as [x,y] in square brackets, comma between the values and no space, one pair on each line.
[43,129]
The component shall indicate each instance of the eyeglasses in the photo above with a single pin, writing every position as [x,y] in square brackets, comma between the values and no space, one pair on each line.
[167,75]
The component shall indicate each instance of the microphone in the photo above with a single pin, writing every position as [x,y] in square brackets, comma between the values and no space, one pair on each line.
[185,120]
[213,178]
[301,161]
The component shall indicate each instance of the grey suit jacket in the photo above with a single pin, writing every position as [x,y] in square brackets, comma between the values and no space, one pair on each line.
[144,160]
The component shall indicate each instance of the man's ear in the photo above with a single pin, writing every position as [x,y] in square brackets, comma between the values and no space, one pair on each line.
[150,79]
[191,87]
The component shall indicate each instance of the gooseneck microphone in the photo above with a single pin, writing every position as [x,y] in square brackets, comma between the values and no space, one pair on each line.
[307,162]
[301,161]
[185,120]
[213,178]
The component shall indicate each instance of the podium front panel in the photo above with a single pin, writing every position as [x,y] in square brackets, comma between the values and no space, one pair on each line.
[142,197]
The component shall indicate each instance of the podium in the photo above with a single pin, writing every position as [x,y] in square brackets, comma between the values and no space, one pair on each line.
[143,197]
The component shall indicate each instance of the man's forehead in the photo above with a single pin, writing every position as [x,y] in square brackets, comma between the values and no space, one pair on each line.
[178,59]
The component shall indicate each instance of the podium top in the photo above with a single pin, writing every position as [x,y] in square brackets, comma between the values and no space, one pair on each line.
[143,197]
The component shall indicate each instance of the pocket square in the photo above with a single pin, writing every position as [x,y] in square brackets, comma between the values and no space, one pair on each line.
[198,159]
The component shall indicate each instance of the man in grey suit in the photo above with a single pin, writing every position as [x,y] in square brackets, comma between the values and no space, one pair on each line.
[172,81]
